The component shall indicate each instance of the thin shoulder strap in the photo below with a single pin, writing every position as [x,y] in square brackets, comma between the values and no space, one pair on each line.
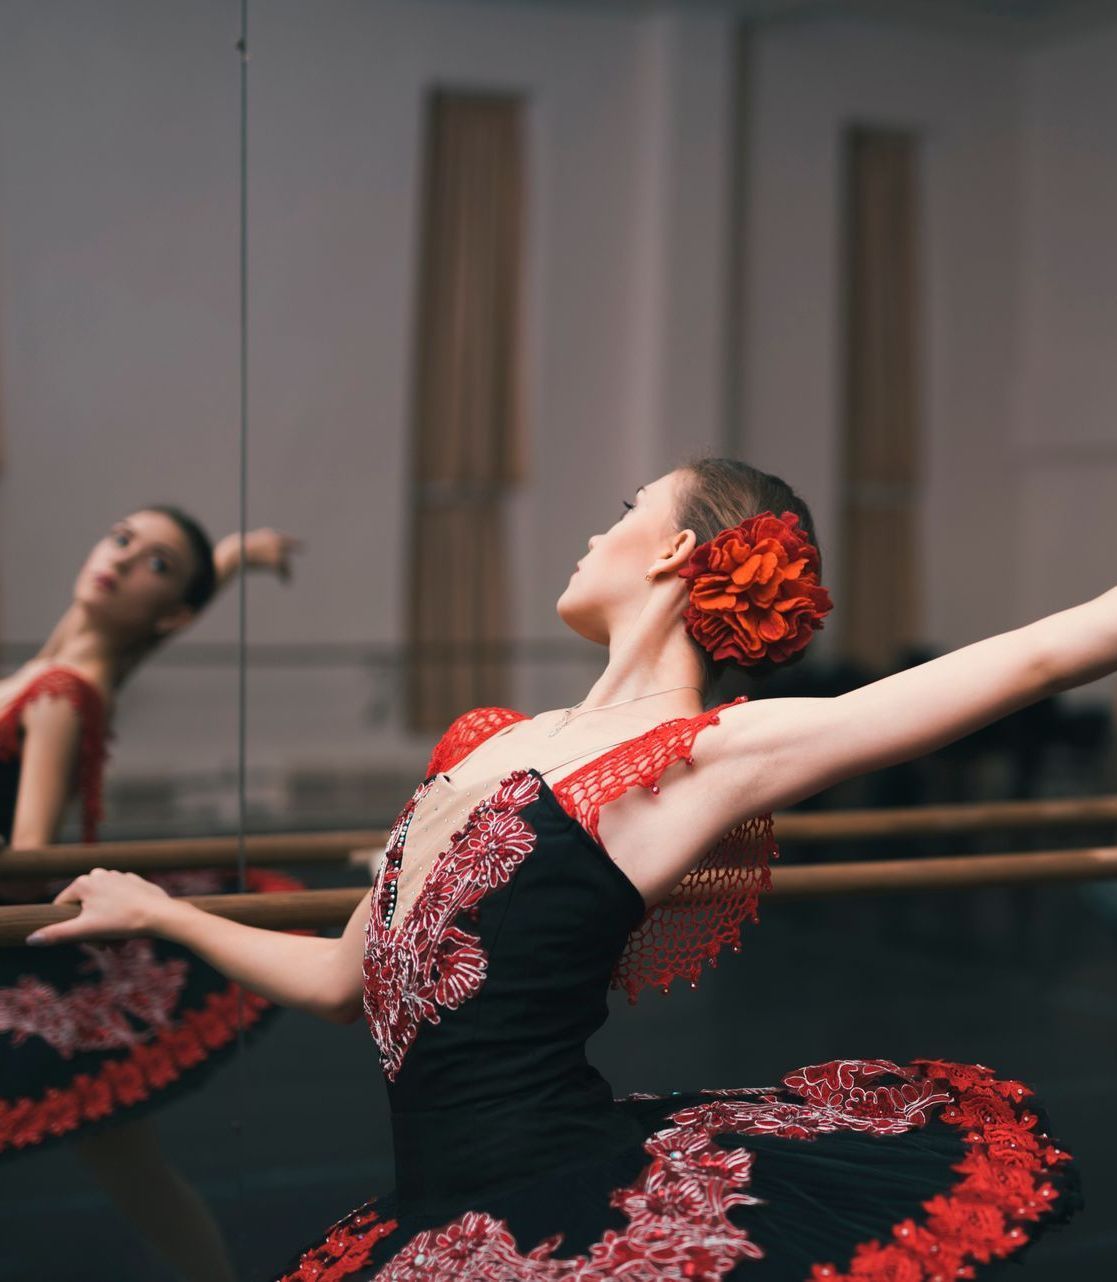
[466,733]
[632,763]
[703,914]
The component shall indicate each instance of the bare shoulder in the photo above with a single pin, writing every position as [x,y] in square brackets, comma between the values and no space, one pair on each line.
[757,757]
[55,719]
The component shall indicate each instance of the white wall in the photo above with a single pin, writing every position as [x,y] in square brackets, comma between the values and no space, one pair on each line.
[807,84]
[1019,189]
[628,158]
[1066,428]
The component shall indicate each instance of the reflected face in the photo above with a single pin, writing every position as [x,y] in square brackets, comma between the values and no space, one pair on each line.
[608,584]
[134,579]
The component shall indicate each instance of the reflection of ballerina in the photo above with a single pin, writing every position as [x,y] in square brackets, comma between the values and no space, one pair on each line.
[540,856]
[91,1037]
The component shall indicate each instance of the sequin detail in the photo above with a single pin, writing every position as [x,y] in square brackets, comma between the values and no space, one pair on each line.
[427,962]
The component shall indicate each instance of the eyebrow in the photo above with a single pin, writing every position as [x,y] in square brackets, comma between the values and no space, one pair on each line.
[169,553]
[640,490]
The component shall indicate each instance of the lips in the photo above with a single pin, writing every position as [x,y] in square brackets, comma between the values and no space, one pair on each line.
[105,581]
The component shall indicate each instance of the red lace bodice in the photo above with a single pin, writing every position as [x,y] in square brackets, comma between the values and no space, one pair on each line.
[705,911]
[64,683]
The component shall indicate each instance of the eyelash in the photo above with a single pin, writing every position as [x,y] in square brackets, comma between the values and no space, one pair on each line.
[627,505]
[122,538]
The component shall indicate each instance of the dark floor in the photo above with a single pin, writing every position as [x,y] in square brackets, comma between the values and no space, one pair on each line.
[292,1136]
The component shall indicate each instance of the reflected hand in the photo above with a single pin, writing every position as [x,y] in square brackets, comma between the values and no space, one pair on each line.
[269,549]
[264,549]
[113,904]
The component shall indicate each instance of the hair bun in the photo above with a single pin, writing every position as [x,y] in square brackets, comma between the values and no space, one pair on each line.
[754,591]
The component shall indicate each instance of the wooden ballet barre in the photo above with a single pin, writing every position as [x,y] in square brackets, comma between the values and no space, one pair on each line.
[335,847]
[320,908]
[187,852]
[918,821]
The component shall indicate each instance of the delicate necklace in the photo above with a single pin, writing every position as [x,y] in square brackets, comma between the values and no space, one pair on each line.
[572,715]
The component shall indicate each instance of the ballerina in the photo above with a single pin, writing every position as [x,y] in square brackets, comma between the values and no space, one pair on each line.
[94,1038]
[542,856]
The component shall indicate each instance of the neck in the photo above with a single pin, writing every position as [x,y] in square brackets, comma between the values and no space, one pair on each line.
[649,652]
[75,641]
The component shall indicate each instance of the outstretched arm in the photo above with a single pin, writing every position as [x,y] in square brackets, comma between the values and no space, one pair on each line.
[768,754]
[322,976]
[921,709]
[264,549]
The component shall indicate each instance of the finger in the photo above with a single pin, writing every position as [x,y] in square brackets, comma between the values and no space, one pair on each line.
[59,933]
[73,893]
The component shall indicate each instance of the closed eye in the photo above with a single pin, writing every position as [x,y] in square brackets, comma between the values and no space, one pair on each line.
[628,506]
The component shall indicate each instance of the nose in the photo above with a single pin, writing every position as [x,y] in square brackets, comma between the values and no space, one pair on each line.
[592,540]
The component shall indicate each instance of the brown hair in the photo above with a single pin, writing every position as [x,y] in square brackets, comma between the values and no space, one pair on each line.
[721,493]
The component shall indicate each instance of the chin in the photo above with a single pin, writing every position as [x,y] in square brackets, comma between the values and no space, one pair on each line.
[584,621]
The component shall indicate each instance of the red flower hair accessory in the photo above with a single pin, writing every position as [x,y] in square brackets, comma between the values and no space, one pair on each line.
[754,591]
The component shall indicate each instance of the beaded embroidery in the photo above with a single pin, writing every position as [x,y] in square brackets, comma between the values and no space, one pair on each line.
[426,962]
[690,927]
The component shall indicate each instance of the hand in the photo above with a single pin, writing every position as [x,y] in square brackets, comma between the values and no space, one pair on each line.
[264,549]
[113,904]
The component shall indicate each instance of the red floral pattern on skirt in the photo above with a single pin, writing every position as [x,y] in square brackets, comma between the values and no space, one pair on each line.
[677,1210]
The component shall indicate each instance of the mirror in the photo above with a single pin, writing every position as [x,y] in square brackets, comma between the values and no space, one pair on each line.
[118,636]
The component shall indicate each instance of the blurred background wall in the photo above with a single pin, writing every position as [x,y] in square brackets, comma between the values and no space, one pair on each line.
[684,263]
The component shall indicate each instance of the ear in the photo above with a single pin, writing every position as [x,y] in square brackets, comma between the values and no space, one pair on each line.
[174,621]
[675,555]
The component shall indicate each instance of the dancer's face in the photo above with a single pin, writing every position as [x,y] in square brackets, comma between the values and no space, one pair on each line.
[608,585]
[134,579]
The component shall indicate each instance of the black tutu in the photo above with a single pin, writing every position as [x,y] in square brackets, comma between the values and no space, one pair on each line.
[513,1161]
[851,1173]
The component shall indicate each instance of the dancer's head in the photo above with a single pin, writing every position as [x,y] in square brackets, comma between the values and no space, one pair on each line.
[149,576]
[642,553]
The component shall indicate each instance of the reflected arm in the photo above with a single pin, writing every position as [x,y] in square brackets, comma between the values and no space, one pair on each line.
[51,734]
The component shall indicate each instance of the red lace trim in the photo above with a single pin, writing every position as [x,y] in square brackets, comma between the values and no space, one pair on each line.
[687,929]
[148,1067]
[1005,1186]
[466,733]
[425,962]
[64,683]
[677,1211]
[119,1083]
[722,890]
[343,1250]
